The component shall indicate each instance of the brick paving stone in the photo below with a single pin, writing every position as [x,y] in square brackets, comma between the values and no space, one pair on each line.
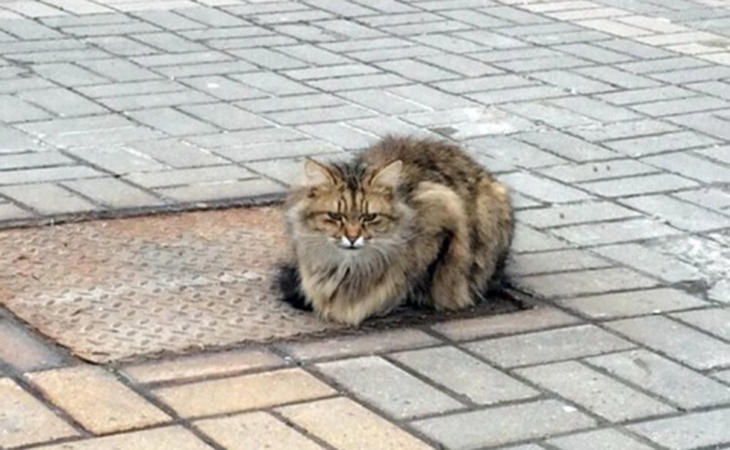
[172,122]
[530,320]
[708,197]
[503,425]
[96,399]
[701,429]
[68,74]
[465,375]
[346,425]
[613,232]
[25,420]
[242,393]
[176,153]
[570,284]
[622,130]
[567,146]
[559,215]
[645,184]
[596,171]
[638,302]
[175,437]
[385,341]
[514,151]
[675,340]
[62,102]
[542,188]
[617,77]
[10,212]
[16,110]
[554,261]
[254,430]
[527,239]
[546,346]
[47,198]
[713,321]
[226,116]
[669,380]
[595,109]
[594,391]
[650,261]
[189,176]
[646,95]
[388,387]
[226,190]
[204,365]
[608,439]
[678,213]
[548,113]
[691,166]
[25,352]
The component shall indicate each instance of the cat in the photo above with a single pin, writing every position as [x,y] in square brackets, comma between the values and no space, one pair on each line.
[408,220]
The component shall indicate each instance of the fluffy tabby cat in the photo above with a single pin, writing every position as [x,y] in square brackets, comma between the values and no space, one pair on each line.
[407,220]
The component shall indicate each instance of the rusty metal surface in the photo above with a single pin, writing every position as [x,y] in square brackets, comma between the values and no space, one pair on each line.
[117,289]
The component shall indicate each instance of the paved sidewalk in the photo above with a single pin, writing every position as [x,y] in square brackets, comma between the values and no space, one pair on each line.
[610,119]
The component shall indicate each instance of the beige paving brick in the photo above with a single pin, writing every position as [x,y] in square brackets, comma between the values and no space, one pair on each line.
[97,400]
[546,346]
[202,365]
[174,437]
[632,303]
[596,392]
[256,430]
[529,320]
[359,345]
[503,425]
[346,425]
[24,420]
[243,392]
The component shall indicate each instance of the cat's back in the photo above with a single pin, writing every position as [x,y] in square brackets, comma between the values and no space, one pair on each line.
[427,160]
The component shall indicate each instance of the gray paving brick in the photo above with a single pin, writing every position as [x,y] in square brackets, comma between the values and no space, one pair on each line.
[37,175]
[608,439]
[596,171]
[706,123]
[223,88]
[225,190]
[383,126]
[169,42]
[642,146]
[113,193]
[444,26]
[671,381]
[503,425]
[195,175]
[450,44]
[691,166]
[572,82]
[63,102]
[47,198]
[675,340]
[168,20]
[211,16]
[616,77]
[272,83]
[712,198]
[303,32]
[707,428]
[543,188]
[612,232]
[68,74]
[594,391]
[632,303]
[594,53]
[483,83]
[595,109]
[119,70]
[226,116]
[176,153]
[270,59]
[514,151]
[110,29]
[547,346]
[570,284]
[694,75]
[340,135]
[645,184]
[549,114]
[533,319]
[201,68]
[619,130]
[33,159]
[430,97]
[715,88]
[567,146]
[9,212]
[663,65]
[341,7]
[559,215]
[474,17]
[527,239]
[317,56]
[16,110]
[182,59]
[650,261]
[540,64]
[678,213]
[553,261]
[382,101]
[417,71]
[350,29]
[714,321]
[632,96]
[387,341]
[28,29]
[681,106]
[465,375]
[294,102]
[516,94]
[317,115]
[246,137]
[387,387]
[144,101]
[131,88]
[171,121]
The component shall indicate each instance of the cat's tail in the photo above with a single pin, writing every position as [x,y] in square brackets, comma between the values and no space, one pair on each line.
[288,283]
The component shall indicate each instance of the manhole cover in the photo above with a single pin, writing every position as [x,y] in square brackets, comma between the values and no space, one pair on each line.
[115,289]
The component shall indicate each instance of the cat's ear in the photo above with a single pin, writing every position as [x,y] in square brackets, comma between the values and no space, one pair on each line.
[317,174]
[388,175]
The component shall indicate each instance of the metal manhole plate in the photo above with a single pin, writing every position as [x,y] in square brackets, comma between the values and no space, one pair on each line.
[115,289]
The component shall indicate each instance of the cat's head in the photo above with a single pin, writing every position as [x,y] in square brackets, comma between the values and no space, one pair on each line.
[349,208]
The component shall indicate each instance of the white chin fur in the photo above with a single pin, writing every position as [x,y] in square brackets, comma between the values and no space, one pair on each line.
[345,243]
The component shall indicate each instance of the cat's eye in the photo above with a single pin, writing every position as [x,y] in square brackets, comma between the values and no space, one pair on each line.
[334,216]
[368,217]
